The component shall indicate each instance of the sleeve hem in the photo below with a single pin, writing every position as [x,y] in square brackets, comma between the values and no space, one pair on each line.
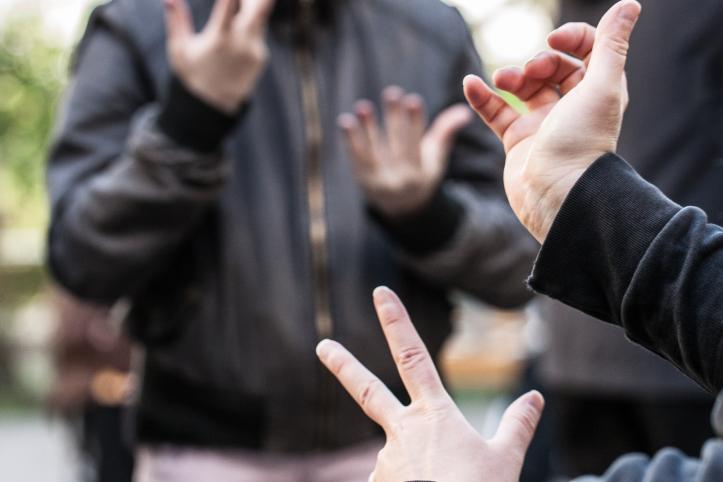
[603,229]
[190,122]
[428,230]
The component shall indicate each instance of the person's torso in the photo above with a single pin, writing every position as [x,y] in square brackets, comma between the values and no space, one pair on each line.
[288,255]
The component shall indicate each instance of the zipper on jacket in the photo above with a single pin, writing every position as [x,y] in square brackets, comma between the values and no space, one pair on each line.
[316,201]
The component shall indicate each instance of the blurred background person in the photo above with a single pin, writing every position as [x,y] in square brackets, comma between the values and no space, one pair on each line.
[92,388]
[606,395]
[36,40]
[212,190]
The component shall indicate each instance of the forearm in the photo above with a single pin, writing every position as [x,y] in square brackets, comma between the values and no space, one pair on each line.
[621,251]
[129,175]
[471,242]
[114,231]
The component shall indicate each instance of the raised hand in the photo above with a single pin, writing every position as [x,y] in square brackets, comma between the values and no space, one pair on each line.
[429,439]
[222,63]
[576,104]
[399,170]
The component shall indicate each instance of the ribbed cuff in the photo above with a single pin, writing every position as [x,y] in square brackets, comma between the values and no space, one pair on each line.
[191,122]
[428,230]
[603,229]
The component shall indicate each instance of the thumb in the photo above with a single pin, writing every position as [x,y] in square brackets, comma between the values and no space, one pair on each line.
[255,13]
[179,24]
[519,423]
[445,127]
[612,41]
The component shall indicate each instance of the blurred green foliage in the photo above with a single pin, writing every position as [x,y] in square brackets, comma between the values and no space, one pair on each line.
[32,73]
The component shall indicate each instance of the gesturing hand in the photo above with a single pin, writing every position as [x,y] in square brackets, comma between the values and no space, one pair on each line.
[550,147]
[429,439]
[400,170]
[222,63]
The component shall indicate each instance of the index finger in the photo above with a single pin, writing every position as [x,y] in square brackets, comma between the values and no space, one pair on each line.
[574,38]
[413,361]
[255,13]
[374,398]
[493,109]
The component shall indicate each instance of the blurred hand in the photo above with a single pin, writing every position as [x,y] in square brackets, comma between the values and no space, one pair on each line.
[222,63]
[429,439]
[400,170]
[576,104]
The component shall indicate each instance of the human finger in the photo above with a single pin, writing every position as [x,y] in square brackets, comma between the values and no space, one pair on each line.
[396,120]
[533,92]
[222,15]
[255,14]
[518,424]
[374,398]
[492,108]
[444,129]
[179,24]
[574,38]
[556,69]
[413,361]
[367,117]
[612,42]
[357,144]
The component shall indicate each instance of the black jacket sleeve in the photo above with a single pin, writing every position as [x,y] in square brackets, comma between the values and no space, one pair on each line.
[621,251]
[128,179]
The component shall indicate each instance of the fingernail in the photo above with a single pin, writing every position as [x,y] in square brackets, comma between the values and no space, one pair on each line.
[345,120]
[393,92]
[382,293]
[468,78]
[536,400]
[630,10]
[323,348]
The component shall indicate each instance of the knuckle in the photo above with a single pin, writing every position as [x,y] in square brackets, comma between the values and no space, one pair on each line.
[367,393]
[526,421]
[412,357]
[618,45]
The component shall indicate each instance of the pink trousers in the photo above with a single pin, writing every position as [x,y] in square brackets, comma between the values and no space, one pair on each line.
[168,464]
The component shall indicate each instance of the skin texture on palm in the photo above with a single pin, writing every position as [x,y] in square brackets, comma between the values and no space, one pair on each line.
[575,96]
[222,63]
[429,439]
[399,168]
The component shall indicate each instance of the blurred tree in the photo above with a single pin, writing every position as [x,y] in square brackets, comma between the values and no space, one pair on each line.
[32,72]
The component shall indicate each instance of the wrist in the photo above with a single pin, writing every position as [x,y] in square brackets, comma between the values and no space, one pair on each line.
[546,193]
[400,204]
[191,122]
[428,228]
[228,103]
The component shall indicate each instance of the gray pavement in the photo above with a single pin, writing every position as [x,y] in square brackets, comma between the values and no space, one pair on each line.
[34,449]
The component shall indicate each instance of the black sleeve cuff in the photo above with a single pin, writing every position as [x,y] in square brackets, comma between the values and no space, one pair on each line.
[596,243]
[191,122]
[426,231]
